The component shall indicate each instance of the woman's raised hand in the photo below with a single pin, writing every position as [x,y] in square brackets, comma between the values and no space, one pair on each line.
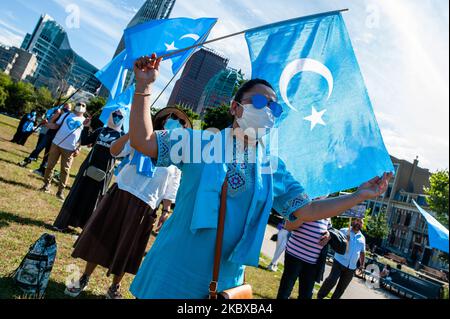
[146,70]
[374,187]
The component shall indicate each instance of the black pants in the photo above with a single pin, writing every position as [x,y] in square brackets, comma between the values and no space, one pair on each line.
[295,268]
[40,138]
[338,272]
[24,137]
[45,143]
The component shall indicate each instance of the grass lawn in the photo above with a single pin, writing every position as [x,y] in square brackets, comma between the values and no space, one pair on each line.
[26,213]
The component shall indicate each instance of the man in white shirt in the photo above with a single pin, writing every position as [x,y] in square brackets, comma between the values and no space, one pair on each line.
[344,266]
[65,145]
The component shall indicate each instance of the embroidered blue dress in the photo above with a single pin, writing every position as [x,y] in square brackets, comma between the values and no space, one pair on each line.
[179,264]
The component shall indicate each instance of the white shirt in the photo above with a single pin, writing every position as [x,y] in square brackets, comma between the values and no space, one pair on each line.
[69,132]
[151,190]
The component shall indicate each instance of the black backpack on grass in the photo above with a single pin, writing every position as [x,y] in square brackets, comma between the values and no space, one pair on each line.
[34,271]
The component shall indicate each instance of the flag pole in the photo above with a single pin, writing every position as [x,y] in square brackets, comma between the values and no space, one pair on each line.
[249,30]
[179,69]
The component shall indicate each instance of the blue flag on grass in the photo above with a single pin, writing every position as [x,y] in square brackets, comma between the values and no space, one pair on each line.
[166,35]
[328,135]
[122,101]
[437,233]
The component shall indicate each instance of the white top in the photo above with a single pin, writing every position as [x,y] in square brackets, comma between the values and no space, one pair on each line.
[163,185]
[69,133]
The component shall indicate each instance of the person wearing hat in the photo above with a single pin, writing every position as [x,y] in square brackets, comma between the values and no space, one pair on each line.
[65,145]
[88,187]
[117,234]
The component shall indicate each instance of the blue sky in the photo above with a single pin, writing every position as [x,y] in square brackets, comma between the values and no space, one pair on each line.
[402,47]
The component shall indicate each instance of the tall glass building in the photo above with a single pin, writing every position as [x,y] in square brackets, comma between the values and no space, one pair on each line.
[56,59]
[219,89]
[202,66]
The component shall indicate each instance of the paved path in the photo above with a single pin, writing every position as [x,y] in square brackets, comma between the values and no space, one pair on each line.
[357,288]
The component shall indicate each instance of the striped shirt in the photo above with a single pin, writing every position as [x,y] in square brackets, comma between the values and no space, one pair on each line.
[304,241]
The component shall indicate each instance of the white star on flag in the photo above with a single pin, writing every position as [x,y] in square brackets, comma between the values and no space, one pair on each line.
[170,47]
[315,117]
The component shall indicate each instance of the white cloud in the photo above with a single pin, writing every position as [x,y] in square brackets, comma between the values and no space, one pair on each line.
[10,34]
[101,19]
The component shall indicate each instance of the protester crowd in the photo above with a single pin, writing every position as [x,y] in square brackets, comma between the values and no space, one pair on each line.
[184,262]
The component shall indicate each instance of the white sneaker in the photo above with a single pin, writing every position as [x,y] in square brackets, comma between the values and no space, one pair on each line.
[272,267]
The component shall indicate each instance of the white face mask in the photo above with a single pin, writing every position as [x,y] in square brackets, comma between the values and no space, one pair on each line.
[80,109]
[253,119]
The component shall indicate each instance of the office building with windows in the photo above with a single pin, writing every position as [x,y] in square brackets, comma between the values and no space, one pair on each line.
[219,89]
[199,70]
[56,61]
[408,230]
[17,63]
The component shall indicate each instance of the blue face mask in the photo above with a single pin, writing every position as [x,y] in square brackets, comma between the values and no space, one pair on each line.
[172,124]
[117,119]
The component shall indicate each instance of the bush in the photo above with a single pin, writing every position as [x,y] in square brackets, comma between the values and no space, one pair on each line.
[218,117]
[3,97]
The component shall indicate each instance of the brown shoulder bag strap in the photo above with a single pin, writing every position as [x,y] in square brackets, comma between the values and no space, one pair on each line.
[219,240]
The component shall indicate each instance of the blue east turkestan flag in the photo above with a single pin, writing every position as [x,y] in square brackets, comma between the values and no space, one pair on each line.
[159,36]
[437,233]
[328,135]
[166,35]
[113,75]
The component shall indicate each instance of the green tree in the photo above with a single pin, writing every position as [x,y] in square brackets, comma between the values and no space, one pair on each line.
[44,99]
[5,81]
[376,227]
[94,107]
[438,195]
[218,117]
[21,98]
[339,222]
[3,97]
[193,116]
[95,104]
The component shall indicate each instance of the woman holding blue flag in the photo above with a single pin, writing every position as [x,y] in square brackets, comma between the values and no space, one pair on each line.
[88,189]
[117,234]
[180,262]
[27,129]
[23,127]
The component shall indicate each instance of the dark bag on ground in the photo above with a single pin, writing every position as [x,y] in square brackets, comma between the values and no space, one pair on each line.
[34,271]
[337,241]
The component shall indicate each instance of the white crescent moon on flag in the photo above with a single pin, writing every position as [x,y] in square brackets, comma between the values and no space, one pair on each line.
[303,65]
[193,36]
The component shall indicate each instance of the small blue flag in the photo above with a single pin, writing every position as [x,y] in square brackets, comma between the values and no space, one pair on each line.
[113,75]
[50,112]
[437,233]
[122,101]
[166,35]
[328,135]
